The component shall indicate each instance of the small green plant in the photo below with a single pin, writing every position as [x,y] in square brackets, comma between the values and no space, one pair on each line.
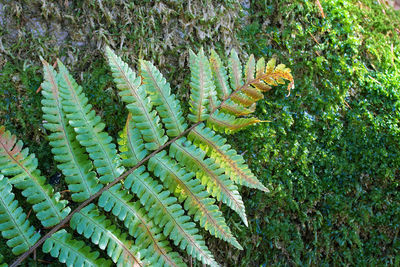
[158,194]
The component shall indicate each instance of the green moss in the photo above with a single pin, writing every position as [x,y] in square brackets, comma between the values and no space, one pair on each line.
[331,153]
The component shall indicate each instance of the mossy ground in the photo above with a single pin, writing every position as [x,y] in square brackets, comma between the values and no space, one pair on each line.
[331,154]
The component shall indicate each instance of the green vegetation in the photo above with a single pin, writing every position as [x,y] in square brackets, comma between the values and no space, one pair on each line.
[330,153]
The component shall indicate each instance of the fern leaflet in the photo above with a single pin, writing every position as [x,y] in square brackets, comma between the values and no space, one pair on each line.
[201,84]
[218,185]
[21,167]
[134,94]
[72,252]
[167,105]
[14,224]
[74,163]
[148,236]
[216,147]
[90,223]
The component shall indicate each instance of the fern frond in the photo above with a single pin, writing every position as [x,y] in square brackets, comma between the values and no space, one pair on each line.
[88,127]
[272,75]
[91,224]
[165,211]
[201,84]
[72,252]
[220,76]
[138,103]
[250,91]
[236,80]
[242,99]
[74,163]
[131,144]
[14,224]
[226,123]
[249,69]
[218,185]
[235,70]
[192,193]
[235,109]
[167,105]
[216,147]
[148,236]
[21,167]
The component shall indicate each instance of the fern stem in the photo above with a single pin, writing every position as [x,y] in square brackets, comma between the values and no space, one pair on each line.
[125,174]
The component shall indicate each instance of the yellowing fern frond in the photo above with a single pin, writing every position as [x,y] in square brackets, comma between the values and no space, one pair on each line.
[217,148]
[213,177]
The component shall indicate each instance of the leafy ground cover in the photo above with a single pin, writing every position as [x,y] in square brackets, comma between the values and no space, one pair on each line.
[330,154]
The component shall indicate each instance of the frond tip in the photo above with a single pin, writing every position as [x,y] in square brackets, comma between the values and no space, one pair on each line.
[201,85]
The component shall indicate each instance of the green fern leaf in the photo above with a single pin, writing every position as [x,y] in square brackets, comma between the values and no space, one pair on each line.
[218,185]
[235,70]
[236,80]
[192,193]
[139,182]
[21,167]
[131,144]
[220,76]
[90,223]
[74,163]
[226,123]
[201,85]
[165,208]
[14,224]
[216,147]
[72,252]
[167,105]
[148,236]
[138,103]
[88,127]
[168,215]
